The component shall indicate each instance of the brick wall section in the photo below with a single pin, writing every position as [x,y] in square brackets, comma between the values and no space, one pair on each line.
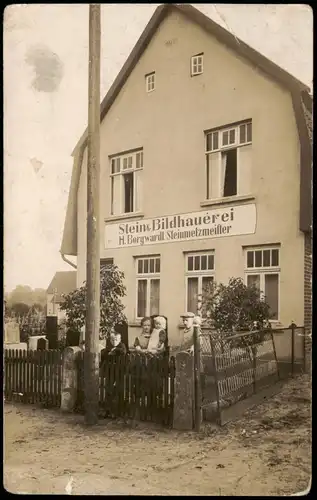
[308,298]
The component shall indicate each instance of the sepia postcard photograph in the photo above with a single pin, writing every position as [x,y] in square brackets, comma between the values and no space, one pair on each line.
[157,249]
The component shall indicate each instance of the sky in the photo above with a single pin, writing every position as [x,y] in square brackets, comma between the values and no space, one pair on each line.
[46,105]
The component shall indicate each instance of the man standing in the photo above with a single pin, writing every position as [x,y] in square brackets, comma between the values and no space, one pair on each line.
[188,322]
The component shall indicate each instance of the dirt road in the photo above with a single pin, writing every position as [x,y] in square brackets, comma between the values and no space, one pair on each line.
[267,452]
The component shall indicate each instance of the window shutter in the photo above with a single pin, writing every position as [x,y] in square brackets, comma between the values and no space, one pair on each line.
[245,170]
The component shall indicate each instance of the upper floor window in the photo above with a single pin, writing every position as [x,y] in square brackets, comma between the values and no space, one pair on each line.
[148,285]
[126,182]
[262,269]
[229,160]
[150,82]
[200,269]
[197,64]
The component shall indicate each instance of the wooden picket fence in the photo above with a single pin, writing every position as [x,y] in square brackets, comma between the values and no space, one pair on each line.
[33,376]
[133,386]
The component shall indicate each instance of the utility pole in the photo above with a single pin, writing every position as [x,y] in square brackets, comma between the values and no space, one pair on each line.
[91,357]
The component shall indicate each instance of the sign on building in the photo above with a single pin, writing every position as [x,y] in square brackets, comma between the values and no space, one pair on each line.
[216,223]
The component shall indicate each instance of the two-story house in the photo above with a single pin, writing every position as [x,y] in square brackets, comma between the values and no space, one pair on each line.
[205,173]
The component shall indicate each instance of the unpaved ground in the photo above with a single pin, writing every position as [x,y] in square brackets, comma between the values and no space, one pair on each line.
[267,452]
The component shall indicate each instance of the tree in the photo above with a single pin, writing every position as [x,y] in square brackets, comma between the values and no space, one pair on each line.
[235,308]
[37,308]
[24,294]
[112,290]
[19,309]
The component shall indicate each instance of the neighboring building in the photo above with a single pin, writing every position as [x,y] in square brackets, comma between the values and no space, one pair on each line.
[63,282]
[205,173]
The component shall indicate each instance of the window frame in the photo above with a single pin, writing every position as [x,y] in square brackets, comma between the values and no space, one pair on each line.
[195,59]
[156,275]
[150,81]
[227,128]
[200,274]
[236,144]
[263,271]
[122,172]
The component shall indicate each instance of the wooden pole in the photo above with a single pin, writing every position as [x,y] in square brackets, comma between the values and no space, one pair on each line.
[91,359]
[197,379]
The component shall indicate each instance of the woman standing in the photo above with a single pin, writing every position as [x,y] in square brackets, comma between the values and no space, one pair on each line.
[141,342]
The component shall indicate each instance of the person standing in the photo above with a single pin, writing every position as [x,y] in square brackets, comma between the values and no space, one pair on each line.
[117,347]
[141,342]
[188,333]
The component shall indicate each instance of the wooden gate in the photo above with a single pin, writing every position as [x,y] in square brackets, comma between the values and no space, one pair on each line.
[134,386]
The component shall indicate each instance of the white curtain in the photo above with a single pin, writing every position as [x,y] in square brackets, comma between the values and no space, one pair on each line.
[116,195]
[155,296]
[213,175]
[253,279]
[192,295]
[142,293]
[271,293]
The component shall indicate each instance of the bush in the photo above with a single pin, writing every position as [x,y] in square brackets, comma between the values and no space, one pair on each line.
[235,308]
[112,290]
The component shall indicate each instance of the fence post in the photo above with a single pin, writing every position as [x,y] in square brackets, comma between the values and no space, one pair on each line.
[197,387]
[69,379]
[307,349]
[254,353]
[275,356]
[215,374]
[183,399]
[292,326]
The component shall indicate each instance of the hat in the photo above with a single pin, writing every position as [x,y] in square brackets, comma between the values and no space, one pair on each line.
[197,321]
[187,315]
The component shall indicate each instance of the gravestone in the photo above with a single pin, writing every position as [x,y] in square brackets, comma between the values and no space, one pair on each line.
[41,344]
[11,332]
[52,331]
[72,338]
[33,342]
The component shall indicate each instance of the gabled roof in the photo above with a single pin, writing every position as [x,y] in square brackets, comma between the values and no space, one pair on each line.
[299,91]
[222,35]
[62,282]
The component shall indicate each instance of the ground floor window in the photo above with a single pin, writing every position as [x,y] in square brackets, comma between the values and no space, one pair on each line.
[199,278]
[148,285]
[263,270]
[106,263]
